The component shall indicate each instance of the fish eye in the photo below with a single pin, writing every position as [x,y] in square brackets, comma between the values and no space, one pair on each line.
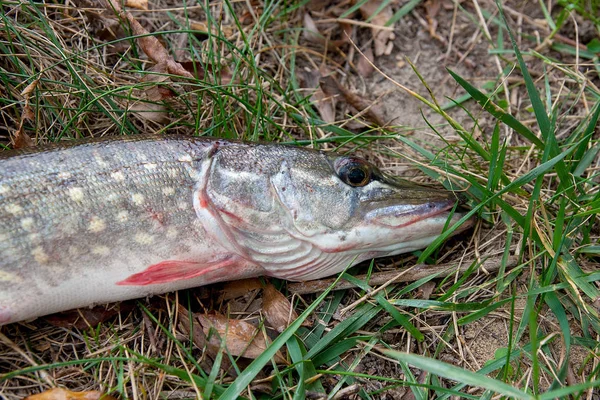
[354,172]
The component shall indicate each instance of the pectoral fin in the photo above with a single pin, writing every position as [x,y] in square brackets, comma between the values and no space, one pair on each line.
[227,268]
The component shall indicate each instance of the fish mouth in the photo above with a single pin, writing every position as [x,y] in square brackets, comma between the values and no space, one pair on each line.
[404,214]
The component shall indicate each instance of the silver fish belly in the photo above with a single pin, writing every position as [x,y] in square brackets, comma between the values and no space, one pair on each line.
[109,220]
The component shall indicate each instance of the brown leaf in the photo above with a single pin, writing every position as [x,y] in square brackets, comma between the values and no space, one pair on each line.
[241,338]
[199,339]
[150,44]
[324,104]
[64,394]
[425,290]
[311,33]
[332,87]
[137,4]
[278,311]
[364,66]
[202,26]
[432,7]
[21,139]
[88,317]
[150,104]
[382,37]
[240,288]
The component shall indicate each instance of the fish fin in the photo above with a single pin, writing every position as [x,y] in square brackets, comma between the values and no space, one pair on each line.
[174,270]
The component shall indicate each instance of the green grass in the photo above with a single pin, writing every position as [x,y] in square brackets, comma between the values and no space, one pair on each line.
[529,171]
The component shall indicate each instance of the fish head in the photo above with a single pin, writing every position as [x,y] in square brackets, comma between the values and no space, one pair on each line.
[304,214]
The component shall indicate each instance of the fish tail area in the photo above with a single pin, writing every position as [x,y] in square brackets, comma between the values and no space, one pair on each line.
[226,268]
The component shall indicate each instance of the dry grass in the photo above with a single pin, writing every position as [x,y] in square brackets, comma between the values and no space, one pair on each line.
[534,327]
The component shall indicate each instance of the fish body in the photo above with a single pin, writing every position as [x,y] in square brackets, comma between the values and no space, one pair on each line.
[108,220]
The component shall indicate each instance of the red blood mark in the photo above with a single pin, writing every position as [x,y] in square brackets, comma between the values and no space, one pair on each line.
[156,216]
[171,271]
[203,202]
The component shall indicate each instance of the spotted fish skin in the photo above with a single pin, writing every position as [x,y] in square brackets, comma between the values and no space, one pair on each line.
[107,220]
[95,212]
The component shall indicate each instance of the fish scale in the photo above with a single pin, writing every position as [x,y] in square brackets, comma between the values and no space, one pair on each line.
[106,220]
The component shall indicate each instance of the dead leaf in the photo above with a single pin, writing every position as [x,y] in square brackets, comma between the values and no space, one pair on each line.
[382,37]
[432,7]
[332,87]
[241,338]
[137,4]
[425,290]
[149,43]
[311,33]
[150,104]
[21,139]
[64,394]
[241,287]
[364,66]
[83,318]
[199,339]
[202,26]
[324,104]
[278,311]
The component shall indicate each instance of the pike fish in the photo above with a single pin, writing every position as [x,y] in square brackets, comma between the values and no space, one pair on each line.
[108,220]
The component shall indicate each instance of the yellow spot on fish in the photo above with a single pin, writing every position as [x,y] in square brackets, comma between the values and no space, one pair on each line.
[144,238]
[112,197]
[7,277]
[101,251]
[40,255]
[13,208]
[97,224]
[138,199]
[118,176]
[172,233]
[150,166]
[4,189]
[74,251]
[122,216]
[185,158]
[76,194]
[64,175]
[100,161]
[27,223]
[168,191]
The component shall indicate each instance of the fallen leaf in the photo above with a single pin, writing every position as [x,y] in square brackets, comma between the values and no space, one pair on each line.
[324,104]
[425,290]
[150,104]
[332,87]
[382,35]
[241,338]
[202,26]
[241,287]
[149,43]
[278,311]
[312,34]
[364,66]
[432,7]
[21,139]
[83,318]
[137,4]
[64,394]
[199,339]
